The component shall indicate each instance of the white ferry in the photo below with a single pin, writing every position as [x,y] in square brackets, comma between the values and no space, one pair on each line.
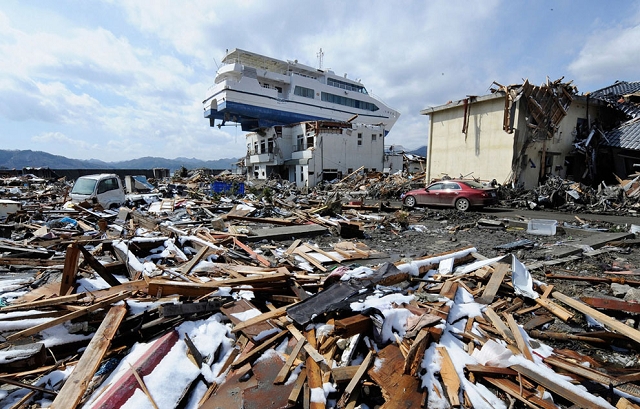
[258,92]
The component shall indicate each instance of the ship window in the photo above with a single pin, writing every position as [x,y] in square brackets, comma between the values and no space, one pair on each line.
[373,137]
[304,92]
[359,139]
[340,100]
[345,85]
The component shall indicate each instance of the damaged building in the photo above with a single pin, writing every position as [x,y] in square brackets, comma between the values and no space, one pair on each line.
[612,146]
[309,152]
[522,134]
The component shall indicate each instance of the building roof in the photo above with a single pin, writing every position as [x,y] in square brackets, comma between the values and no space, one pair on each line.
[622,95]
[626,136]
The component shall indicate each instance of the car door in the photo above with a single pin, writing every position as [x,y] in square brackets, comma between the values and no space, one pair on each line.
[450,193]
[109,192]
[431,197]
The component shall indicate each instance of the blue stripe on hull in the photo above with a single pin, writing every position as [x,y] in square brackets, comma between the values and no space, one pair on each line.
[252,117]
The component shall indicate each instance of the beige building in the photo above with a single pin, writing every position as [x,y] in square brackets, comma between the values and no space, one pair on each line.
[518,135]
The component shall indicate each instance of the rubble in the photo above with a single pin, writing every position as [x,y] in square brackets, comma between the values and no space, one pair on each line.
[277,298]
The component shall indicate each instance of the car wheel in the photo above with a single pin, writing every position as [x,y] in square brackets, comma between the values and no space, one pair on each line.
[462,204]
[410,201]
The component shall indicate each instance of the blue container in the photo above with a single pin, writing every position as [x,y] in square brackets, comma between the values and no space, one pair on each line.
[228,188]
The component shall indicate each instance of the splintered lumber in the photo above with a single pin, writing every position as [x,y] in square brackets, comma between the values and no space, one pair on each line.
[286,232]
[27,385]
[70,269]
[261,318]
[189,265]
[98,267]
[554,308]
[70,316]
[257,351]
[314,376]
[490,291]
[416,352]
[44,303]
[284,372]
[78,381]
[579,399]
[263,260]
[297,386]
[364,366]
[520,341]
[566,337]
[530,399]
[399,390]
[591,374]
[450,377]
[602,318]
[350,326]
[497,322]
[611,304]
[160,287]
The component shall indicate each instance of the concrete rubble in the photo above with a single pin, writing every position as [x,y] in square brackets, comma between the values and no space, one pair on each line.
[202,297]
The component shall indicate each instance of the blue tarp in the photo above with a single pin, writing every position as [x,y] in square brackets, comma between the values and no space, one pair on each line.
[228,187]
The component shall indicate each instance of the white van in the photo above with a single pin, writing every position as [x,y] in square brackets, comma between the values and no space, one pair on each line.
[105,189]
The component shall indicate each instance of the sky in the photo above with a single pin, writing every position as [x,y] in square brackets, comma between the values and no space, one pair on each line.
[123,79]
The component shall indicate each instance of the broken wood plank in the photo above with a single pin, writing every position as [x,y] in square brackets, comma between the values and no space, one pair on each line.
[70,270]
[70,316]
[77,383]
[450,377]
[261,318]
[604,319]
[284,372]
[262,259]
[569,394]
[364,366]
[520,341]
[257,351]
[314,375]
[398,389]
[98,267]
[611,304]
[490,291]
[528,398]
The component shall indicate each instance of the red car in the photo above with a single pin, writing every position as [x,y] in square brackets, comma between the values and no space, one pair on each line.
[461,194]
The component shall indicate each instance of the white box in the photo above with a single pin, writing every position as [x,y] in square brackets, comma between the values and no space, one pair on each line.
[542,227]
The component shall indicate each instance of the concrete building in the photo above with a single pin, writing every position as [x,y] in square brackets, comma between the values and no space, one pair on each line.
[517,135]
[310,152]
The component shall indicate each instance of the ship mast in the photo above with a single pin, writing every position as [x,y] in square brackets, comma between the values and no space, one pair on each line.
[320,55]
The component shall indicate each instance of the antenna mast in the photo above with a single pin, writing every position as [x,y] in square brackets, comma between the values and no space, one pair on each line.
[320,55]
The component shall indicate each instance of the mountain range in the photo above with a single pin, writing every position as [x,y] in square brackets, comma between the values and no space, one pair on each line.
[20,159]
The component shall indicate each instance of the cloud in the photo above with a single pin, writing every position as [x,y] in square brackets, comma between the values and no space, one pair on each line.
[609,55]
[60,139]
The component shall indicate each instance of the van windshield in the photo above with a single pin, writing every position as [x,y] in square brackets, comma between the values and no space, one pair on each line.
[84,186]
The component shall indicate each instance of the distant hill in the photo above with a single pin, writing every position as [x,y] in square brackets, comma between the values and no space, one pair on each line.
[17,159]
[421,151]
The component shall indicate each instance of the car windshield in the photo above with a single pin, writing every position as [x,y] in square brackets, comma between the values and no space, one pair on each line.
[473,184]
[84,186]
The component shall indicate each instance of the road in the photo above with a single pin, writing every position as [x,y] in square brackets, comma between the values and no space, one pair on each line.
[559,216]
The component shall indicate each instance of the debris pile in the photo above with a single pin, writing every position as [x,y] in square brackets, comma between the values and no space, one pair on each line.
[218,301]
[567,195]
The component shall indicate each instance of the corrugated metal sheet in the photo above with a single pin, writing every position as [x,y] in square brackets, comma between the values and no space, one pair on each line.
[626,136]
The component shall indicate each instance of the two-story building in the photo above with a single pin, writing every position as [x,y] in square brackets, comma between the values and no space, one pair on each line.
[517,135]
[309,152]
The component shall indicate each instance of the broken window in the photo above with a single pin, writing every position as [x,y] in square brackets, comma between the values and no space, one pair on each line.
[270,145]
[263,146]
[300,142]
